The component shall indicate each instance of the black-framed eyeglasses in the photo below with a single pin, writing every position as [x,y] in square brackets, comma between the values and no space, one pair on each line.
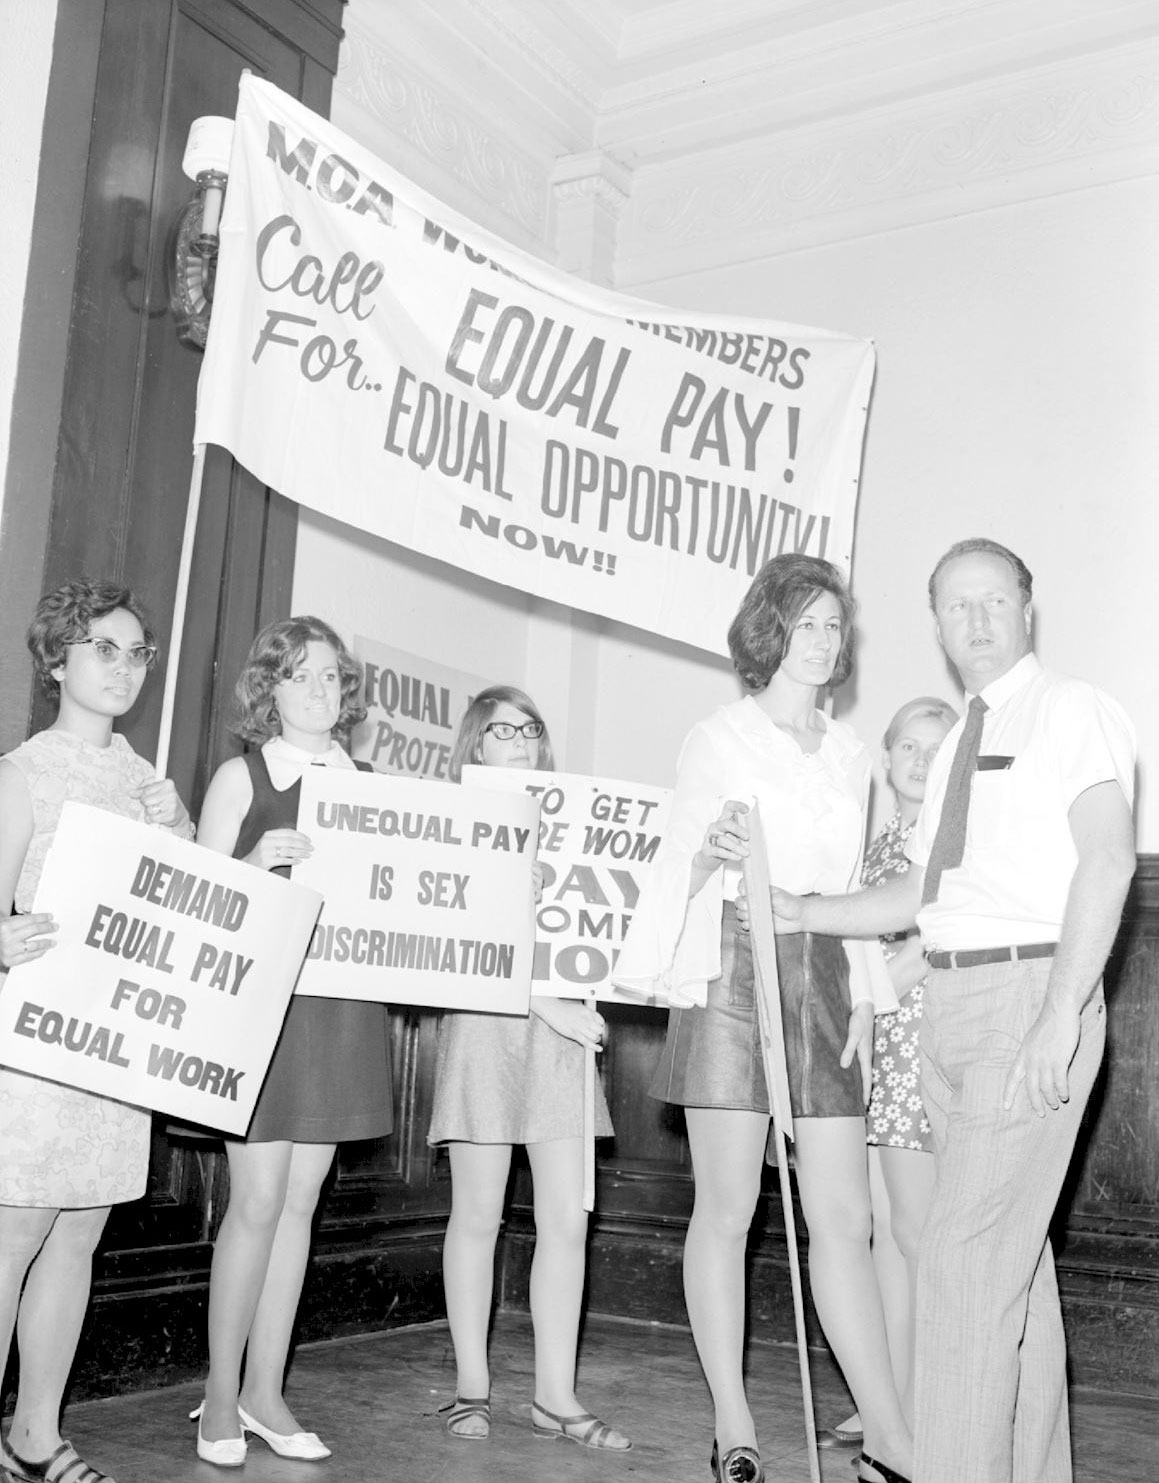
[140,656]
[506,730]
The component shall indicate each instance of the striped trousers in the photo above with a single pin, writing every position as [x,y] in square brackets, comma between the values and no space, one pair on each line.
[990,1402]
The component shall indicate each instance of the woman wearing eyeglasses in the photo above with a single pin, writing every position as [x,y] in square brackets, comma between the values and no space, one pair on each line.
[501,1080]
[66,1156]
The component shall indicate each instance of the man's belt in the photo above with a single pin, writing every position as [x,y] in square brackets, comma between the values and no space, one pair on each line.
[976,957]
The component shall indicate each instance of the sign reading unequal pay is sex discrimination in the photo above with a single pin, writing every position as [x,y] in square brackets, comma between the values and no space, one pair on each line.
[170,976]
[428,891]
[597,840]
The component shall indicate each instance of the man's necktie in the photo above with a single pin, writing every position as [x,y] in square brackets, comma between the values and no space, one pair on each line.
[950,840]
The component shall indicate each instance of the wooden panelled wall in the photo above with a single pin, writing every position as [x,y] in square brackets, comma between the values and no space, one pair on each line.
[115,453]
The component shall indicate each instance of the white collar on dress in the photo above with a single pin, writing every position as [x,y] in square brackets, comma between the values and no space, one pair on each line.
[287,763]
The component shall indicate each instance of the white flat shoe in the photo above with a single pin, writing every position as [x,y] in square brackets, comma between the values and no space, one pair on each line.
[229,1452]
[305,1446]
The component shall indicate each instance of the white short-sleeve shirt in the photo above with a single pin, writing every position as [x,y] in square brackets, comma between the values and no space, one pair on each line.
[1046,738]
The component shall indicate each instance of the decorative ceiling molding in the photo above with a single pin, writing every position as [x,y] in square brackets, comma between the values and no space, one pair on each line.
[446,139]
[1059,129]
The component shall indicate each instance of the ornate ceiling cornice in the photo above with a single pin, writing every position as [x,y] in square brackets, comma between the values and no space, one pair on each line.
[1072,126]
[398,102]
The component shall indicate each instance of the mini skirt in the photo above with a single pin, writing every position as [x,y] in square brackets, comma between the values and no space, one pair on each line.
[712,1054]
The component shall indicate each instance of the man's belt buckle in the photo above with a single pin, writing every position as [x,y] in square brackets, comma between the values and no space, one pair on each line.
[978,957]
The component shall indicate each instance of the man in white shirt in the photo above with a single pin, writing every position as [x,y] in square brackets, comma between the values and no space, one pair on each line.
[1018,918]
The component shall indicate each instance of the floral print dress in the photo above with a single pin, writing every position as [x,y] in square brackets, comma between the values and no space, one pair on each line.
[896,1118]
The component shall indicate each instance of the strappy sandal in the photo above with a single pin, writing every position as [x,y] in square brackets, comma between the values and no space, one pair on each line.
[586,1429]
[460,1409]
[890,1475]
[65,1465]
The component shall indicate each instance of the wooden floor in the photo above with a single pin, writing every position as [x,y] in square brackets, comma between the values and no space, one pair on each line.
[374,1400]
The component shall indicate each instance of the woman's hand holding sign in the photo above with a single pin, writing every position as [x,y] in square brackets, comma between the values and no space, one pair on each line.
[162,804]
[24,939]
[574,1018]
[278,847]
[726,840]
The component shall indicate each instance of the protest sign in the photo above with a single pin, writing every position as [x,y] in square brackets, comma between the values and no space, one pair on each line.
[413,709]
[381,359]
[169,980]
[597,840]
[428,891]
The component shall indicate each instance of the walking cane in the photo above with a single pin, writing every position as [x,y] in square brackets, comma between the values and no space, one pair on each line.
[768,997]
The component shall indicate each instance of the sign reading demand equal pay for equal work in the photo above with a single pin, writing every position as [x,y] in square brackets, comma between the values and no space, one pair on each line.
[170,975]
[428,891]
[597,841]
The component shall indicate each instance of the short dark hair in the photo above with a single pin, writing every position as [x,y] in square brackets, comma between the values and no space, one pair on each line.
[469,742]
[274,655]
[985,546]
[780,592]
[66,615]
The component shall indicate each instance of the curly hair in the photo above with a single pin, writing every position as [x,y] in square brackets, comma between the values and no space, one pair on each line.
[274,655]
[984,546]
[66,615]
[780,592]
[469,742]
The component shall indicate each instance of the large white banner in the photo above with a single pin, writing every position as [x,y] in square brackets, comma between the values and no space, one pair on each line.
[170,975]
[428,891]
[379,358]
[597,840]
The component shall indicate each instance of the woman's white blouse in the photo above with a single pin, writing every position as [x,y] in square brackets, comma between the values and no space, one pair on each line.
[813,814]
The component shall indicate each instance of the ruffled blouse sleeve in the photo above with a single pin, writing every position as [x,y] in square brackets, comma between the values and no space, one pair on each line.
[672,949]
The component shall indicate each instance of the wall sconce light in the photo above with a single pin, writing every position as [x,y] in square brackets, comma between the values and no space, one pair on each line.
[193,258]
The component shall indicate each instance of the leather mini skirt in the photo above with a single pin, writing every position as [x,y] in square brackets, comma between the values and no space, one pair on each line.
[712,1055]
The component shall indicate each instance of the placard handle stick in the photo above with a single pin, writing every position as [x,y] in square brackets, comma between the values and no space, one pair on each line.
[768,997]
[180,601]
[589,1128]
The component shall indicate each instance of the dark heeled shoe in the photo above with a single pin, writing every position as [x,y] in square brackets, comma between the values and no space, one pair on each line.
[738,1465]
[890,1475]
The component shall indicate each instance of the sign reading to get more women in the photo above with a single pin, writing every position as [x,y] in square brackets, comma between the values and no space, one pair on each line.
[597,840]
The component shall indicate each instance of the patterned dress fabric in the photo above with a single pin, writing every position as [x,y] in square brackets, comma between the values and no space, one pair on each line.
[61,1148]
[896,1118]
[504,1078]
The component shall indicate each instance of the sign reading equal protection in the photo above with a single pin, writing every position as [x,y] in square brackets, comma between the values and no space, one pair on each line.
[170,975]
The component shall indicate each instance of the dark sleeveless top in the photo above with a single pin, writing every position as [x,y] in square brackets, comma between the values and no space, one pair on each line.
[329,1079]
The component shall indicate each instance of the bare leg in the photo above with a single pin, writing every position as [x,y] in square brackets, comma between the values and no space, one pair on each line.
[557,1268]
[728,1150]
[908,1178]
[273,1321]
[258,1178]
[479,1173]
[833,1180]
[51,1311]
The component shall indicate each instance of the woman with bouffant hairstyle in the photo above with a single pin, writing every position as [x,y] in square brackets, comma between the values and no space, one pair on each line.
[791,639]
[66,1156]
[329,1079]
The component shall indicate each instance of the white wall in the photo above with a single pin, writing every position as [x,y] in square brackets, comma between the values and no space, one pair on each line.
[1018,377]
[26,33]
[1016,397]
